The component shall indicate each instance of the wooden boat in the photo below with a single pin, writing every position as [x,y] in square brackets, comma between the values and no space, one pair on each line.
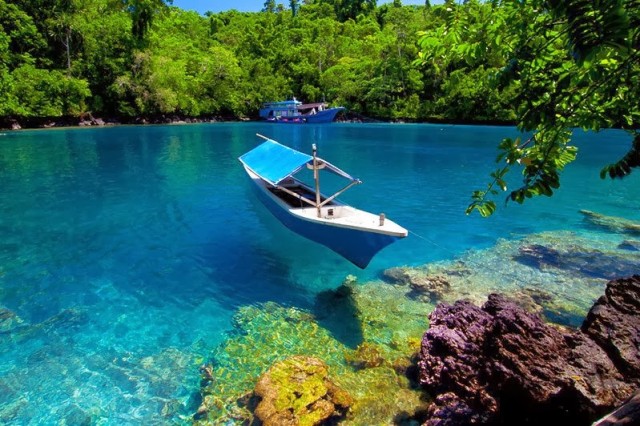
[295,112]
[355,234]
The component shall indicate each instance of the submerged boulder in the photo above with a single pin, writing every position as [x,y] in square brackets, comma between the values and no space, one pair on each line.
[297,391]
[580,261]
[9,321]
[366,355]
[423,284]
[500,364]
[631,245]
[612,223]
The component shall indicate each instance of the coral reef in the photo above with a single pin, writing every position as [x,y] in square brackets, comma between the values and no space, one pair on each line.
[377,372]
[365,356]
[499,363]
[298,391]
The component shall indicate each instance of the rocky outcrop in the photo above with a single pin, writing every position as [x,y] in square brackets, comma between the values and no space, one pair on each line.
[501,364]
[627,414]
[297,391]
[614,323]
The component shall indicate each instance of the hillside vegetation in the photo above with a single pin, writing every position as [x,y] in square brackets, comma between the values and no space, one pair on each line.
[131,58]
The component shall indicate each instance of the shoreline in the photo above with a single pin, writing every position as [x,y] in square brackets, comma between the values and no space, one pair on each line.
[88,120]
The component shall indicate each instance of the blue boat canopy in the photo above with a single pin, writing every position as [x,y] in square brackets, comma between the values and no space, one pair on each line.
[274,162]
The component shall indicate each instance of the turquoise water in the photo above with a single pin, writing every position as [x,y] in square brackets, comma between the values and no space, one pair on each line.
[125,251]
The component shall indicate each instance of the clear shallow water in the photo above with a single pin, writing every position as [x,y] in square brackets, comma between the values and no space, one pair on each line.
[125,251]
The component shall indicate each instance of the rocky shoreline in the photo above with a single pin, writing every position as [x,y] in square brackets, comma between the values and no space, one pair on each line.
[88,120]
[498,364]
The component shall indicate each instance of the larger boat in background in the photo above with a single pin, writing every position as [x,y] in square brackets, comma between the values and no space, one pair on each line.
[295,112]
[355,234]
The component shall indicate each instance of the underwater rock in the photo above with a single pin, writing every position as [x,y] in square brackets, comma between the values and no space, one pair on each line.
[631,245]
[501,364]
[434,286]
[297,391]
[579,260]
[614,323]
[366,355]
[538,256]
[399,275]
[9,321]
[532,299]
[74,415]
[65,319]
[612,223]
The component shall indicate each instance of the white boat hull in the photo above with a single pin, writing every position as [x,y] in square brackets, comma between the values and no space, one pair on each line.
[355,234]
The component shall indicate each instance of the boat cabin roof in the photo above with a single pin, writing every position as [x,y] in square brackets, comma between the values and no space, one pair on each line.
[283,104]
[274,162]
[313,105]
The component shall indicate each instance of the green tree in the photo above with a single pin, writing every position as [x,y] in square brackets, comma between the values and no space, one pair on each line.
[43,93]
[55,22]
[350,9]
[269,6]
[294,4]
[574,64]
[459,54]
[61,28]
[106,51]
[21,40]
[143,13]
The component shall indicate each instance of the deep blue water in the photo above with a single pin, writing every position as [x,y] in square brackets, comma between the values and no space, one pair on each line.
[125,251]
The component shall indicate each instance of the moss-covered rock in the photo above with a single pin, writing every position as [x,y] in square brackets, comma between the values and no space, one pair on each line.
[298,391]
[366,355]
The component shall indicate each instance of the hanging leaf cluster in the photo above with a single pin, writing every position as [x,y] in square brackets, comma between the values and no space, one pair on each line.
[573,64]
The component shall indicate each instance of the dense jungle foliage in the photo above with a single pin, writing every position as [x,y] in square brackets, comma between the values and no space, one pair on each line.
[129,58]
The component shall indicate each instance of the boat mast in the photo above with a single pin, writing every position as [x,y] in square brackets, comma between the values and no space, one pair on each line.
[316,178]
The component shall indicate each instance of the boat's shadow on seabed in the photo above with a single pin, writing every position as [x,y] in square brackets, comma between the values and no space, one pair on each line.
[336,311]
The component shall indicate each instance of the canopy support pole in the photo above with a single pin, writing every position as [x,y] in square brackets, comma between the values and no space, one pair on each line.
[330,199]
[316,178]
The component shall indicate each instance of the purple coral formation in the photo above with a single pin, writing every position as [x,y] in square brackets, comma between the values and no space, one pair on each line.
[501,364]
